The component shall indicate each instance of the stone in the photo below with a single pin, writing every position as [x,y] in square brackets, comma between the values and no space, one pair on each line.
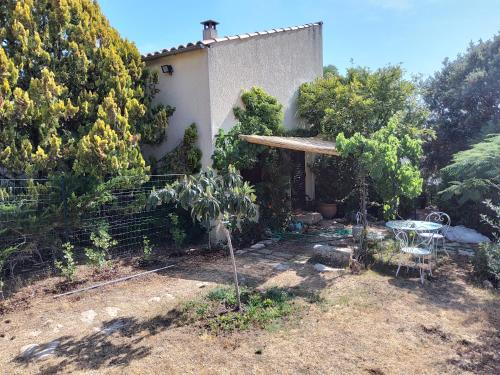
[88,316]
[267,242]
[463,234]
[112,311]
[39,352]
[487,284]
[265,251]
[240,252]
[283,255]
[281,267]
[257,246]
[466,253]
[333,256]
[309,218]
[322,268]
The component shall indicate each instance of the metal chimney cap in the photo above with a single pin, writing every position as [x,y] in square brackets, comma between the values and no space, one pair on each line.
[209,23]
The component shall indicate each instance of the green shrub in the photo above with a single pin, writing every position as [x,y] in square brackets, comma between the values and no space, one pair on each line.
[486,261]
[217,311]
[176,231]
[185,158]
[68,267]
[147,249]
[102,242]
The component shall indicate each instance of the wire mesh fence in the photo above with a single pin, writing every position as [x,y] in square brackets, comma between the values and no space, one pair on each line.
[38,215]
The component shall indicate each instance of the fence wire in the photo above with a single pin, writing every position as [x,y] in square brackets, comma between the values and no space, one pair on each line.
[38,215]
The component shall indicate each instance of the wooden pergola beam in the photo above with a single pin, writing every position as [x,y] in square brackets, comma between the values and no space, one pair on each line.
[309,144]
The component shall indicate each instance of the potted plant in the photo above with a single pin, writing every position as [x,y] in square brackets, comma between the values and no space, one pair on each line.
[333,182]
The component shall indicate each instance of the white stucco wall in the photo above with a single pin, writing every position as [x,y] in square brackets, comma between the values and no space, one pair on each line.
[207,83]
[187,90]
[279,63]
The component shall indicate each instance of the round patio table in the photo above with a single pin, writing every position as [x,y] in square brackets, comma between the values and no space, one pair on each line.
[413,225]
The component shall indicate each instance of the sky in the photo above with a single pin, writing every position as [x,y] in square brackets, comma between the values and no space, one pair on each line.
[419,34]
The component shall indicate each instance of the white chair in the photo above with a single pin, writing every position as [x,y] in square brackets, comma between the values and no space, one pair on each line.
[419,248]
[439,218]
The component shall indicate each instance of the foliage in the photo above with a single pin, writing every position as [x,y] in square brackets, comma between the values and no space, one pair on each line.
[473,174]
[464,101]
[359,102]
[185,158]
[259,309]
[102,243]
[147,249]
[472,177]
[273,193]
[176,231]
[68,267]
[334,178]
[389,157]
[261,115]
[486,261]
[74,94]
[212,197]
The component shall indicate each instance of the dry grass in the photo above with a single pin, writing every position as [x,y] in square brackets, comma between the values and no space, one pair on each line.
[369,323]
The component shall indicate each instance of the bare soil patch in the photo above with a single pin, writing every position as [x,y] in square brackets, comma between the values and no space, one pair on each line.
[369,323]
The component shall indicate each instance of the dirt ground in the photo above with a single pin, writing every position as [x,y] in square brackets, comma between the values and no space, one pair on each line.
[370,323]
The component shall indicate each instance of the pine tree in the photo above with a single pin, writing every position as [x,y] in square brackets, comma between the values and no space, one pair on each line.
[72,92]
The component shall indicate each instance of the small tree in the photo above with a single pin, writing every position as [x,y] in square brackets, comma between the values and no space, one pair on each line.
[389,158]
[211,197]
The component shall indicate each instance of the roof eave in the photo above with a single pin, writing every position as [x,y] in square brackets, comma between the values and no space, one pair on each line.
[153,56]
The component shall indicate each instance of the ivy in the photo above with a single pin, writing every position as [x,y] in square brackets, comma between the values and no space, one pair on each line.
[261,115]
[185,158]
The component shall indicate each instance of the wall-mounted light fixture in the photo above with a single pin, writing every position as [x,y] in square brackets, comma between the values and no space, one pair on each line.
[169,69]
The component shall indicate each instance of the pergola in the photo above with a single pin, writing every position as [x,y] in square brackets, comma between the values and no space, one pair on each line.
[309,145]
[313,145]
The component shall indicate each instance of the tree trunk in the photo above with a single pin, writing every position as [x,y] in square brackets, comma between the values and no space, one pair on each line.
[231,251]
[364,216]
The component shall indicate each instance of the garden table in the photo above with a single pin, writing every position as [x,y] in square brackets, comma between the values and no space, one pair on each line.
[413,226]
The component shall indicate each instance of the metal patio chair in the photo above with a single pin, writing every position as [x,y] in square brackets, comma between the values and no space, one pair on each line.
[439,218]
[417,247]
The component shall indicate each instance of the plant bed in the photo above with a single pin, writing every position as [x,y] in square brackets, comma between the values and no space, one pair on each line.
[217,312]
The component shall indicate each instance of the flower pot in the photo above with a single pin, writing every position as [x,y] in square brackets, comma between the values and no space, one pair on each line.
[328,210]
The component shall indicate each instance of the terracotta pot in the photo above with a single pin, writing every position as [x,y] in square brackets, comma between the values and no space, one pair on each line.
[328,210]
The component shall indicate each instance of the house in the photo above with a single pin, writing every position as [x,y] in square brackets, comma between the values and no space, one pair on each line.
[204,80]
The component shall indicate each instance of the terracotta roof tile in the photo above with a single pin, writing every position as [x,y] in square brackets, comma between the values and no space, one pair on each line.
[206,43]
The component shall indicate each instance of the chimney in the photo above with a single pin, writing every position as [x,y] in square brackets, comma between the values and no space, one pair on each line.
[209,29]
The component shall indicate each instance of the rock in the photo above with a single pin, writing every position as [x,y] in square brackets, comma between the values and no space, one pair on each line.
[112,311]
[308,218]
[57,328]
[487,284]
[267,242]
[322,268]
[281,267]
[265,251]
[39,352]
[466,253]
[240,252]
[463,234]
[333,256]
[202,284]
[257,246]
[88,316]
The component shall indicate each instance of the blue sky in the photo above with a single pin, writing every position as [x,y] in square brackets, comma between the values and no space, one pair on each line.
[417,33]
